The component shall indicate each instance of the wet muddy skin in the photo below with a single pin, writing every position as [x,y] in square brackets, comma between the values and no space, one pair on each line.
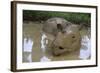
[36,52]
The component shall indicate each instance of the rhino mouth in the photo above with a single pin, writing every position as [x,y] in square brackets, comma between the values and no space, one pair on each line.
[59,51]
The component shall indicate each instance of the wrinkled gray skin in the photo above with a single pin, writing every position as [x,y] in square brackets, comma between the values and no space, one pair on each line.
[63,36]
[54,25]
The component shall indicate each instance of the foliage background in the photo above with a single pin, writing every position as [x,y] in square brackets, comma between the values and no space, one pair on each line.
[77,18]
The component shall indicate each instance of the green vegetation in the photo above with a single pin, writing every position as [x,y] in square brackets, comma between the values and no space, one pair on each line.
[78,18]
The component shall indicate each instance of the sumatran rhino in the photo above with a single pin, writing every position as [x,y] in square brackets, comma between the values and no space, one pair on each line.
[63,36]
[53,25]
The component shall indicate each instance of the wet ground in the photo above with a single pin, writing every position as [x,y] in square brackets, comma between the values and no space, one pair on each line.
[35,50]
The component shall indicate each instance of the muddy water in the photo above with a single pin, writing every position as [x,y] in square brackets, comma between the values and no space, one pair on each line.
[35,45]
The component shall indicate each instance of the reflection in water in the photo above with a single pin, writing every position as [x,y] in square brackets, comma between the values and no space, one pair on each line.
[35,46]
[28,43]
[44,42]
[45,59]
[85,51]
[29,58]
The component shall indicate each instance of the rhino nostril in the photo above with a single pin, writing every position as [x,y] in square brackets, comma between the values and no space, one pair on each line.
[73,36]
[61,47]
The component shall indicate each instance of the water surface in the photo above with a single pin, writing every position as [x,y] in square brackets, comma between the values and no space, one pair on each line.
[35,45]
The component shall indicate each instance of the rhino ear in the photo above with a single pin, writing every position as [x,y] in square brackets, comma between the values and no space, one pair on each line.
[59,27]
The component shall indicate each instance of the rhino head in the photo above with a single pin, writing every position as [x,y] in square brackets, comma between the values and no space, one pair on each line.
[63,36]
[67,40]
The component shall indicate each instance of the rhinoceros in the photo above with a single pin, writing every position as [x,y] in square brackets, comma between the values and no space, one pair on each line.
[68,41]
[53,25]
[63,35]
